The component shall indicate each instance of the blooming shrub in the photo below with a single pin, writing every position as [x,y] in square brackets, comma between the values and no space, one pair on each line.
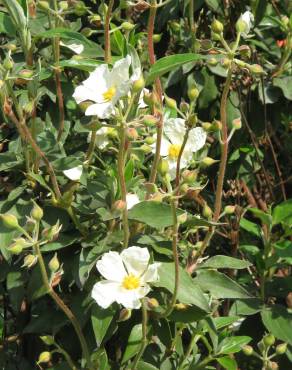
[145,210]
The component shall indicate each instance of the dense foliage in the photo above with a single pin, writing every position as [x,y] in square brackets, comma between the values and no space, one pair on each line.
[145,209]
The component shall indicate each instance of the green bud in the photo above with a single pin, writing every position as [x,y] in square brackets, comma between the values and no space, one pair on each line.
[86,31]
[54,263]
[125,315]
[236,124]
[84,105]
[138,85]
[43,4]
[163,167]
[192,120]
[63,5]
[152,303]
[281,348]
[9,221]
[95,19]
[207,211]
[29,261]
[151,188]
[184,107]
[175,26]
[157,38]
[171,103]
[127,26]
[183,189]
[244,51]
[150,120]
[229,210]
[247,350]
[148,98]
[26,73]
[285,20]
[44,357]
[241,26]
[47,339]
[80,8]
[132,134]
[193,93]
[15,248]
[207,126]
[8,63]
[217,27]
[181,219]
[255,69]
[206,45]
[261,346]
[150,140]
[146,148]
[269,340]
[11,47]
[273,365]
[212,62]
[215,36]
[189,177]
[37,213]
[225,63]
[208,161]
[216,125]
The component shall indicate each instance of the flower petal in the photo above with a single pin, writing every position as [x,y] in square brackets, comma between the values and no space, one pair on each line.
[131,298]
[131,200]
[174,129]
[74,173]
[135,259]
[151,275]
[101,110]
[111,267]
[196,140]
[105,292]
[119,77]
[77,48]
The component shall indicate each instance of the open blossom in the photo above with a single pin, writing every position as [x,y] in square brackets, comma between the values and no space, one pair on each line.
[127,277]
[105,87]
[172,140]
[74,173]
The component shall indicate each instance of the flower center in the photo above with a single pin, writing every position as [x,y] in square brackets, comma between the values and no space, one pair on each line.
[109,94]
[131,282]
[173,151]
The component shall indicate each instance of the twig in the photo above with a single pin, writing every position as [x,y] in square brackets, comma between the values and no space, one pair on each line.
[144,336]
[107,40]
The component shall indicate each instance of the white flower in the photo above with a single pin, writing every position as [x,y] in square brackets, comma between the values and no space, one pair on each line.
[127,276]
[141,103]
[77,48]
[172,140]
[105,87]
[248,18]
[74,173]
[131,199]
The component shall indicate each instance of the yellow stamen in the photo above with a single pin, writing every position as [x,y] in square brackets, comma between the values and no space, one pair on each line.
[173,151]
[131,282]
[109,94]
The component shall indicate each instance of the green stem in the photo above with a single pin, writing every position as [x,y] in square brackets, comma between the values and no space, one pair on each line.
[107,40]
[75,220]
[177,177]
[192,24]
[67,356]
[91,147]
[144,336]
[122,180]
[63,306]
[195,337]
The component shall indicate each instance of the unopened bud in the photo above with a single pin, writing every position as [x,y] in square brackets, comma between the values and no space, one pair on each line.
[241,26]
[44,357]
[9,221]
[216,26]
[273,365]
[44,5]
[63,5]
[127,26]
[247,350]
[180,306]
[157,38]
[183,189]
[175,26]
[261,346]
[138,85]
[80,8]
[207,211]
[229,210]
[37,213]
[157,197]
[11,47]
[84,105]
[148,98]
[236,124]
[226,63]
[244,51]
[193,93]
[216,125]
[54,263]
[215,36]
[171,103]
[26,73]
[281,348]
[150,140]
[152,303]
[146,148]
[29,261]
[192,120]
[96,20]
[269,340]
[285,20]
[125,315]
[15,248]
[189,177]
[212,62]
[8,63]
[132,134]
[208,161]
[119,205]
[184,106]
[86,31]
[47,339]
[255,69]
[150,120]
[163,167]
[181,219]
[207,126]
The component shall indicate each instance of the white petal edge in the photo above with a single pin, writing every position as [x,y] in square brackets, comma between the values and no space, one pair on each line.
[132,200]
[136,260]
[151,275]
[105,292]
[74,173]
[111,267]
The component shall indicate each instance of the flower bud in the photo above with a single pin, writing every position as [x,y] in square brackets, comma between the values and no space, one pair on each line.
[175,26]
[206,45]
[127,26]
[247,350]
[180,306]
[255,69]
[37,213]
[269,340]
[138,85]
[80,8]
[132,133]
[119,205]
[171,103]
[207,126]
[148,98]
[151,187]
[26,73]
[281,348]
[150,140]
[125,315]
[47,339]
[86,31]
[29,261]
[157,197]
[229,210]
[236,124]
[54,263]
[225,63]
[183,189]
[63,5]
[96,20]
[146,148]
[215,36]
[184,106]
[163,167]
[11,47]
[241,26]
[152,303]
[261,346]
[9,221]
[150,120]
[208,161]
[207,211]
[193,93]
[244,51]
[8,63]
[43,4]
[217,27]
[273,365]
[212,62]
[15,248]
[192,120]
[84,105]
[189,177]
[157,38]
[181,219]
[44,357]
[285,20]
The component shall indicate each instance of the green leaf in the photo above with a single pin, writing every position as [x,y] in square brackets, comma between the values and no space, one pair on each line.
[101,320]
[134,343]
[264,217]
[220,285]
[82,64]
[232,344]
[64,240]
[228,363]
[261,6]
[155,214]
[222,262]
[285,84]
[283,213]
[6,25]
[250,227]
[221,322]
[278,320]
[17,14]
[195,221]
[246,307]
[145,366]
[209,92]
[169,63]
[188,292]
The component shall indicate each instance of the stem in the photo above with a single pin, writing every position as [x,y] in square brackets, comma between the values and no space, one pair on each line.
[62,306]
[75,220]
[192,24]
[144,336]
[67,357]
[158,92]
[123,188]
[179,157]
[107,40]
[170,307]
[91,147]
[193,340]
